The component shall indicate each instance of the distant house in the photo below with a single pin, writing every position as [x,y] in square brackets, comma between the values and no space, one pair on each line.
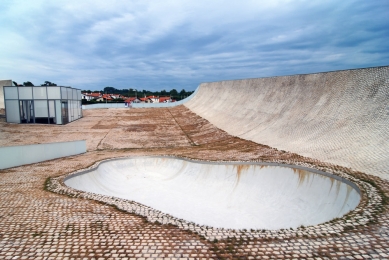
[101,97]
[90,96]
[154,99]
[146,100]
[117,96]
[96,95]
[86,97]
[165,100]
[104,97]
[107,97]
[131,100]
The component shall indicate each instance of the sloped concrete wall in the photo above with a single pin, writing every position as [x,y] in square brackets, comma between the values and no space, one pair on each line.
[340,117]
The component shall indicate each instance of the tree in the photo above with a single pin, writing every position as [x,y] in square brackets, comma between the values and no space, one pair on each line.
[173,92]
[48,83]
[110,90]
[27,83]
[14,82]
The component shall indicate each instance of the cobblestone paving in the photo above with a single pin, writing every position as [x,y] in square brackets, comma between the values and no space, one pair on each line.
[36,223]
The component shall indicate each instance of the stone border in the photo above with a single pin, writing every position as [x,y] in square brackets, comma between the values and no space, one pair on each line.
[364,213]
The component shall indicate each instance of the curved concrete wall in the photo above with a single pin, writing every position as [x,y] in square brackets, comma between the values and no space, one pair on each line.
[341,117]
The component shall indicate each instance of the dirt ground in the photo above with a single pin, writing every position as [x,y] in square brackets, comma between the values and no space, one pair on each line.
[36,223]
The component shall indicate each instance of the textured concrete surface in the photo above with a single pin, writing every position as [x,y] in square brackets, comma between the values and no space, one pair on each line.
[340,117]
[104,129]
[42,218]
[235,196]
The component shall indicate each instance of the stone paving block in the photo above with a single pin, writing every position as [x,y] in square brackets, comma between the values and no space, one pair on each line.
[38,224]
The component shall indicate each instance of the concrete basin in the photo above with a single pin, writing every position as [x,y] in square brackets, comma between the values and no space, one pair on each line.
[224,195]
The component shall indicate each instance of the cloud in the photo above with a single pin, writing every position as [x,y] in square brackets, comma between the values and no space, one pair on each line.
[179,44]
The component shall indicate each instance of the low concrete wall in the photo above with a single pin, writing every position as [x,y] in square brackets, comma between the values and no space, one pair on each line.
[11,156]
[150,105]
[104,105]
[341,117]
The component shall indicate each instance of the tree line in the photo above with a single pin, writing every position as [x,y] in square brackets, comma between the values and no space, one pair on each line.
[174,94]
[141,93]
[29,83]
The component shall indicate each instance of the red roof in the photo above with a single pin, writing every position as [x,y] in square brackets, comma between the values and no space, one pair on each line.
[163,99]
[107,97]
[91,94]
[129,100]
[145,98]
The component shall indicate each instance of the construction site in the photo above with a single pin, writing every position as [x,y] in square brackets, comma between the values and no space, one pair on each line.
[288,167]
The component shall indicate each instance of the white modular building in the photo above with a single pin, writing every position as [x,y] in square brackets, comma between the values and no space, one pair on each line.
[2,84]
[42,104]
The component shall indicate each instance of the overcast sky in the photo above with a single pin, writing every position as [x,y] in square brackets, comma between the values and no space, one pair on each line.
[178,44]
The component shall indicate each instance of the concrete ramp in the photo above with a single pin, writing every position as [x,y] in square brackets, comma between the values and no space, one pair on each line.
[228,195]
[341,117]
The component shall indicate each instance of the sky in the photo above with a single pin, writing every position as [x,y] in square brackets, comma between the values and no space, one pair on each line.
[156,45]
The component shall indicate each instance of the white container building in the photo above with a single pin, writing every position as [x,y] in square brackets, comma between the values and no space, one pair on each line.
[42,104]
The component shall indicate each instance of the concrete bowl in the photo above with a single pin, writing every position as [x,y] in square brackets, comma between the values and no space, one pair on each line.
[224,195]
